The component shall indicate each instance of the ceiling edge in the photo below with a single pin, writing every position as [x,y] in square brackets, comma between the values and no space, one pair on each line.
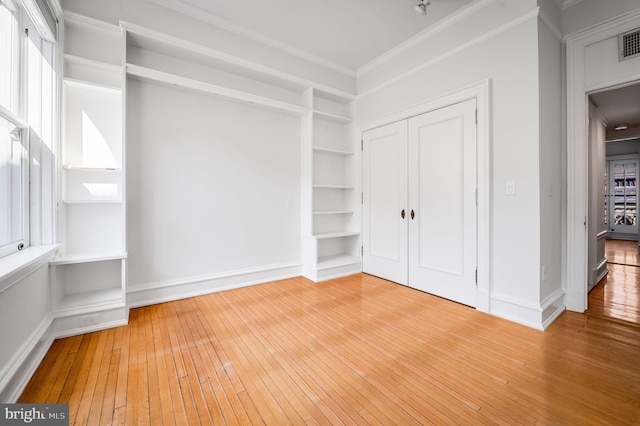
[210,18]
[439,26]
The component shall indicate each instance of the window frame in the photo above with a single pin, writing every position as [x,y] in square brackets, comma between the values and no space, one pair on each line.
[18,113]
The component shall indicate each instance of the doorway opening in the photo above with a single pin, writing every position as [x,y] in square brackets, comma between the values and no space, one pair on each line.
[614,163]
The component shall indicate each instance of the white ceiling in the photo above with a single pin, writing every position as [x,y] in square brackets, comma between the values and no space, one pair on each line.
[619,106]
[347,33]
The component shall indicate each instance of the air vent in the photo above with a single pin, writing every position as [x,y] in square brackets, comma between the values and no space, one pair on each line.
[629,45]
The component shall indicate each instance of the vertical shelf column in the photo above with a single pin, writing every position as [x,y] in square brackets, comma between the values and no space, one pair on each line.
[88,275]
[331,243]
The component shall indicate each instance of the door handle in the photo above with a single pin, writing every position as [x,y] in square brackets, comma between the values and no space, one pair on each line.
[412,214]
[402,213]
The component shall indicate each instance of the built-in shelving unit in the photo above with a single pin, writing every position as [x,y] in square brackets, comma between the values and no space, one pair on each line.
[331,246]
[88,275]
[168,60]
[331,236]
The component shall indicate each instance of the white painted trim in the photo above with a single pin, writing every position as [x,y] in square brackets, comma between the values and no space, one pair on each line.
[212,89]
[568,3]
[91,22]
[105,66]
[557,33]
[424,35]
[231,59]
[17,266]
[606,29]
[521,311]
[596,112]
[468,45]
[18,371]
[66,332]
[481,92]
[210,18]
[552,306]
[166,291]
[600,270]
[577,165]
[337,272]
[516,310]
[56,8]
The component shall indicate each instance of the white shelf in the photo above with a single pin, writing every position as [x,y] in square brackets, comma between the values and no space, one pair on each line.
[90,85]
[335,235]
[212,89]
[332,151]
[321,115]
[106,66]
[321,212]
[333,261]
[333,186]
[77,168]
[92,201]
[110,297]
[86,258]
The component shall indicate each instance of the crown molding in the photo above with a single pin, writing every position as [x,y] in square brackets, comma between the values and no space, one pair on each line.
[210,18]
[557,33]
[534,13]
[424,35]
[567,3]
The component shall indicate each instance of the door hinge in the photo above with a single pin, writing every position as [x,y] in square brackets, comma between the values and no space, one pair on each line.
[362,250]
[361,144]
[476,116]
[476,277]
[362,198]
[476,196]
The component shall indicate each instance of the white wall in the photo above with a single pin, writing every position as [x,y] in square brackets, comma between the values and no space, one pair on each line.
[551,160]
[508,58]
[597,164]
[213,186]
[24,324]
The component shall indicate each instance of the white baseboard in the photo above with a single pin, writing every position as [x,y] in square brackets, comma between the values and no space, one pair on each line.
[149,294]
[523,312]
[337,272]
[552,307]
[17,373]
[70,325]
[516,310]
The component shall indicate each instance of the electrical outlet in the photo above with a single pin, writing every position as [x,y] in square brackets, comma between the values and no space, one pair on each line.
[88,320]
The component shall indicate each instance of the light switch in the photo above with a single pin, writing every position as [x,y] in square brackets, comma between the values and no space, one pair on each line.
[511,188]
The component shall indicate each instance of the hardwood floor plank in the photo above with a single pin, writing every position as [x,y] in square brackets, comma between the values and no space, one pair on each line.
[101,374]
[355,350]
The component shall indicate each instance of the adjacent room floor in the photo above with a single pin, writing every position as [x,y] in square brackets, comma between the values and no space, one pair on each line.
[617,296]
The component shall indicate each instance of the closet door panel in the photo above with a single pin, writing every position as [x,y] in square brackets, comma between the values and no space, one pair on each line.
[442,176]
[385,197]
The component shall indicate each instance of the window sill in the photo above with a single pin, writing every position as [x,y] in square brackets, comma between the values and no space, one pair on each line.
[17,266]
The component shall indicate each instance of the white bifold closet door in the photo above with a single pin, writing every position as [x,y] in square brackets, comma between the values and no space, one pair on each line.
[419,212]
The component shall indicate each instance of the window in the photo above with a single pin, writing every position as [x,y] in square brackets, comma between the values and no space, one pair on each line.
[13,187]
[9,58]
[27,115]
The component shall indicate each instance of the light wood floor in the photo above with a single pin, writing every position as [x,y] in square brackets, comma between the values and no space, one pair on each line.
[356,350]
[617,296]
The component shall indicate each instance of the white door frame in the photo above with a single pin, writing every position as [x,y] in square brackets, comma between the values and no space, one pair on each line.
[576,281]
[479,91]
